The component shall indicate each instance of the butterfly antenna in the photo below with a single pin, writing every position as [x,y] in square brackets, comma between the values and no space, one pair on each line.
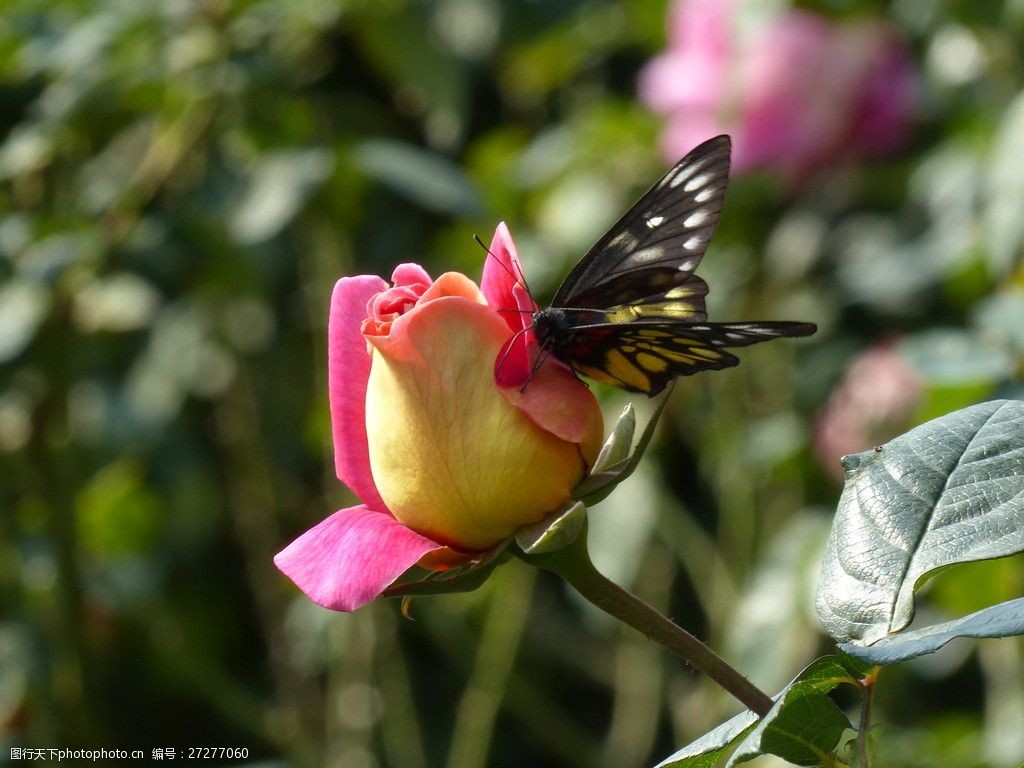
[521,279]
[511,344]
[545,352]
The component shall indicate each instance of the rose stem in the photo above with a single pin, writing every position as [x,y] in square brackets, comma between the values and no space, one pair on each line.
[573,564]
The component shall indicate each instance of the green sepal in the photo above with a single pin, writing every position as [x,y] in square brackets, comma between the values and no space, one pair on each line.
[463,578]
[557,530]
[603,478]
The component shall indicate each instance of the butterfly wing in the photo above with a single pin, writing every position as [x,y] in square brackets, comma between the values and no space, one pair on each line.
[645,356]
[659,242]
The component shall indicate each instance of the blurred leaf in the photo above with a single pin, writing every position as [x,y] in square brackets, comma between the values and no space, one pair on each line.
[23,305]
[279,184]
[778,603]
[426,80]
[1002,316]
[46,259]
[1005,188]
[118,302]
[1001,620]
[946,356]
[423,177]
[879,270]
[117,513]
[948,491]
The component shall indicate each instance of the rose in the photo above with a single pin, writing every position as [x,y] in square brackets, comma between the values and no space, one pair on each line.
[796,91]
[446,461]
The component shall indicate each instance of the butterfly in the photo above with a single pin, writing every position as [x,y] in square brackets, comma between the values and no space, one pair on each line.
[631,313]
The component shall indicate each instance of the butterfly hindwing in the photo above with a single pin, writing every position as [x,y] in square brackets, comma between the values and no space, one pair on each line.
[659,242]
[645,356]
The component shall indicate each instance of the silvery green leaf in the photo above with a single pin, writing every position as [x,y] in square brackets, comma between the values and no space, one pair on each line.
[950,491]
[713,746]
[1001,620]
[555,531]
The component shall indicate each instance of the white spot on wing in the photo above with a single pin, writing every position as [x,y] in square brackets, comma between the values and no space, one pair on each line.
[695,219]
[696,182]
[623,239]
[683,176]
[647,254]
[655,221]
[704,195]
[693,243]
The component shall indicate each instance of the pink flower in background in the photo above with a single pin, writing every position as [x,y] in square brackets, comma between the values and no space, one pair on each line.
[796,92]
[872,404]
[447,462]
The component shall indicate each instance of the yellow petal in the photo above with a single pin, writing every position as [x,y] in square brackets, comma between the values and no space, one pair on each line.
[451,457]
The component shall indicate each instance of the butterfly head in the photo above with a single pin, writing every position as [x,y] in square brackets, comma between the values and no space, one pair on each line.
[550,325]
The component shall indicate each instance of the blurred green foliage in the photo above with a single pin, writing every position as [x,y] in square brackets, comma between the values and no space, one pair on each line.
[182,182]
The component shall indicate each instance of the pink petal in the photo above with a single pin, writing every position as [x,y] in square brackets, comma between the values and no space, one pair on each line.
[410,274]
[504,287]
[503,273]
[513,364]
[351,557]
[348,368]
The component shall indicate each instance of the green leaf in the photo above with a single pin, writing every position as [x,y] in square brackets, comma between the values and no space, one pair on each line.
[803,727]
[555,531]
[1001,620]
[949,491]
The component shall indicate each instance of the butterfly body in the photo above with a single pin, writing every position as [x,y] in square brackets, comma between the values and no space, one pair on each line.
[631,313]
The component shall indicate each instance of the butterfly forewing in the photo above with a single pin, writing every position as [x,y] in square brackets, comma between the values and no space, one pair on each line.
[631,313]
[660,241]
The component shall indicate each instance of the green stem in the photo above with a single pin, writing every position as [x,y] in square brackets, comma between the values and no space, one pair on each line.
[863,747]
[573,564]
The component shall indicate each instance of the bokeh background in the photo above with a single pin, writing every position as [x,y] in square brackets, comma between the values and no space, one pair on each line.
[182,182]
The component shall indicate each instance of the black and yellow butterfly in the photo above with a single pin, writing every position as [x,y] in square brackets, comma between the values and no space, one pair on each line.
[631,313]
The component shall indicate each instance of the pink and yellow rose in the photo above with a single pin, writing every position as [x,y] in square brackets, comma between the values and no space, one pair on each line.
[446,450]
